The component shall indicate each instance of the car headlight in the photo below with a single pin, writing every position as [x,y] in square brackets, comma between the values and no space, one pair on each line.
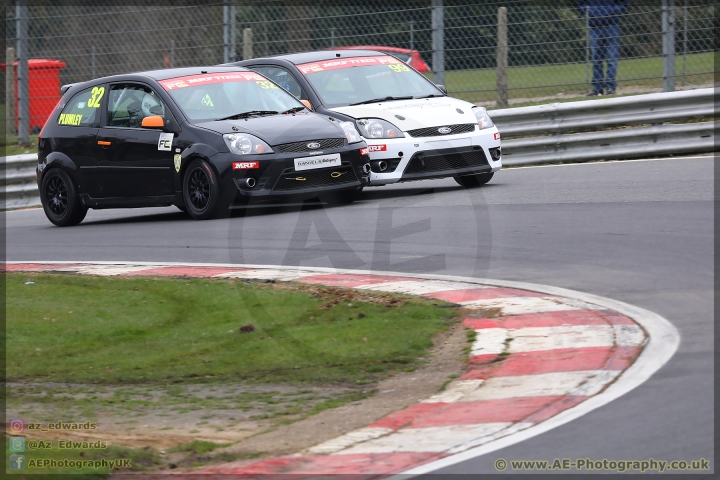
[351,132]
[483,119]
[376,128]
[244,144]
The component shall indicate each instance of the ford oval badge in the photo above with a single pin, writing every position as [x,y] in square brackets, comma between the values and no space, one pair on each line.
[444,130]
[313,145]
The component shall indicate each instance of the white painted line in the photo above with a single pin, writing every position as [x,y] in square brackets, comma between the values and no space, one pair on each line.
[520,305]
[514,428]
[414,287]
[455,391]
[628,335]
[269,274]
[533,339]
[586,383]
[428,439]
[104,270]
[349,439]
[489,341]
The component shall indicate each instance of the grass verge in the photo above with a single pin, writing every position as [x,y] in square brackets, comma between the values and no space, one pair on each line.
[99,330]
[166,358]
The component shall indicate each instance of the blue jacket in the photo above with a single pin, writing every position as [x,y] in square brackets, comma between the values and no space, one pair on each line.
[602,13]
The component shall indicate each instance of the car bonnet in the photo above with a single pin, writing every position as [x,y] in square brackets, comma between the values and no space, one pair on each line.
[417,113]
[279,129]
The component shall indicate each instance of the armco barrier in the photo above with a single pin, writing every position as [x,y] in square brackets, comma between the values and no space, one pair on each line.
[19,188]
[613,129]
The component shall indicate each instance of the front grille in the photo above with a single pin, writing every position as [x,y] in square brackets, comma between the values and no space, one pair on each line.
[297,147]
[315,178]
[448,161]
[433,131]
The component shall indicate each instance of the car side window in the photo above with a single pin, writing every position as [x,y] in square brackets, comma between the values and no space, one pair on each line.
[283,78]
[129,104]
[82,109]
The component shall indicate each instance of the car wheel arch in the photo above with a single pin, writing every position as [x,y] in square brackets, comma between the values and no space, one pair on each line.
[61,161]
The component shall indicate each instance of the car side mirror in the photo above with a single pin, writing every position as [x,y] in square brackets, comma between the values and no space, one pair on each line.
[442,88]
[153,121]
[307,104]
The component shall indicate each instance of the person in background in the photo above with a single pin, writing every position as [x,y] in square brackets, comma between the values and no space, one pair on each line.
[603,17]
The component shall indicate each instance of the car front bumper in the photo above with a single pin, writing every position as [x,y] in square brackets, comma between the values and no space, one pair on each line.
[450,155]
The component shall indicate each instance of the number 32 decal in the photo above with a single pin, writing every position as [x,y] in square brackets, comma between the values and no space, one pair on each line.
[97,94]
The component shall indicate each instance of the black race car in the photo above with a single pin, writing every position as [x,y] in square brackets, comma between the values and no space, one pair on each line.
[200,138]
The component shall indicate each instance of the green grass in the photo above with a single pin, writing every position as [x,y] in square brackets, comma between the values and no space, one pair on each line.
[548,80]
[100,330]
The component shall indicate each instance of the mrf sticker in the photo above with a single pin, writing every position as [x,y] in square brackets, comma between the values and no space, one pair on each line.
[165,141]
[245,165]
[178,160]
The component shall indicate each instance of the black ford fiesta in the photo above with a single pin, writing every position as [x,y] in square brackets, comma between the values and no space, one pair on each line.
[202,138]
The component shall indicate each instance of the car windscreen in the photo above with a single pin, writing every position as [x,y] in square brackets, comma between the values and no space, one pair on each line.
[351,80]
[218,95]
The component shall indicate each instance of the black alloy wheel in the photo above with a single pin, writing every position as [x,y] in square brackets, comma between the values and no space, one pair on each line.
[201,191]
[57,196]
[59,199]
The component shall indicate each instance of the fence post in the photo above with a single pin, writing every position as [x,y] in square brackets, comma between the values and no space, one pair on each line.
[22,74]
[247,44]
[668,44]
[685,41]
[502,58]
[233,33]
[226,31]
[10,92]
[438,42]
[412,34]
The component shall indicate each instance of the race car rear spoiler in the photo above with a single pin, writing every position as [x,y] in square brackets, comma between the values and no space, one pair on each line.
[65,88]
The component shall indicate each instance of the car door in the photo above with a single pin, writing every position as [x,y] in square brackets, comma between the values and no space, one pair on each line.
[134,162]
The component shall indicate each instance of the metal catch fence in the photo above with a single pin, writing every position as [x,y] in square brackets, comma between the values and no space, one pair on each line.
[663,44]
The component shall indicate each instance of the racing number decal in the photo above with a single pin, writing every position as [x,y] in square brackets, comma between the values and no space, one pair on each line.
[97,94]
[399,67]
[266,84]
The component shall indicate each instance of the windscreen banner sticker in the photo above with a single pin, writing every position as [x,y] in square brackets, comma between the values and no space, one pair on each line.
[377,148]
[245,165]
[193,80]
[165,141]
[314,67]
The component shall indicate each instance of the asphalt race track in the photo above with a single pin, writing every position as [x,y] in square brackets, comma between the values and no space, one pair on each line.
[635,231]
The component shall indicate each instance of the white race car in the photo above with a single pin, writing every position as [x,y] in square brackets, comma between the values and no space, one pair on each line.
[413,129]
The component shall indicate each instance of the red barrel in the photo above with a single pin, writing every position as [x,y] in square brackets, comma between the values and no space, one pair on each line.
[43,89]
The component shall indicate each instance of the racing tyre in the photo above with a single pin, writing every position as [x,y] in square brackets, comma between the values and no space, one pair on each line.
[60,200]
[471,181]
[201,191]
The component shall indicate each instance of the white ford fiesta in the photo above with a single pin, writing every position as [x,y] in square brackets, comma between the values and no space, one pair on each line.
[414,131]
